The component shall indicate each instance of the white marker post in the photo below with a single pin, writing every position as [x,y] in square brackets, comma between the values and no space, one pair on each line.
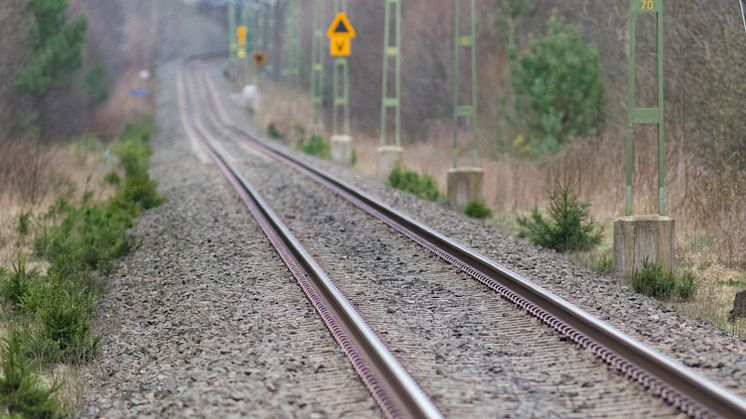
[144,76]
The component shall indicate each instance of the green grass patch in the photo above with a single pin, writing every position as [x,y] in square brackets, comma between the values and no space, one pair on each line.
[652,280]
[316,146]
[274,132]
[569,226]
[89,238]
[738,283]
[600,261]
[422,186]
[477,209]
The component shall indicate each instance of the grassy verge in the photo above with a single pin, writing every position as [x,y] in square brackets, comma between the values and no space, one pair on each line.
[50,312]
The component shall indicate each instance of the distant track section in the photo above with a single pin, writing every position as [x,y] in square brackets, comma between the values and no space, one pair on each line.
[691,393]
[395,391]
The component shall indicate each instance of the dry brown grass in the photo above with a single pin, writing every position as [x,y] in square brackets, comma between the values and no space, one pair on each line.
[708,203]
[32,177]
[288,109]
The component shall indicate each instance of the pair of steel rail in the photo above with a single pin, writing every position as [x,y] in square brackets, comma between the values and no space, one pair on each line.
[395,391]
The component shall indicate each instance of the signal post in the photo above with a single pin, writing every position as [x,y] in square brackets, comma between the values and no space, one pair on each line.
[340,34]
[638,238]
[389,155]
[464,183]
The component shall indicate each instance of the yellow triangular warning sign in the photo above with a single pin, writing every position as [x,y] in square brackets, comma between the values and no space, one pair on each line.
[341,27]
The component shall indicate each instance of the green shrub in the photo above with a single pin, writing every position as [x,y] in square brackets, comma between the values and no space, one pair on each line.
[559,87]
[56,44]
[686,285]
[112,178]
[477,209]
[140,131]
[140,190]
[66,325]
[354,157]
[96,86]
[134,155]
[569,227]
[652,280]
[15,285]
[24,224]
[275,133]
[23,394]
[422,186]
[55,311]
[317,146]
[89,238]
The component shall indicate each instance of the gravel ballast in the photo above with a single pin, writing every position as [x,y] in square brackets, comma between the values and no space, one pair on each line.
[698,344]
[204,319]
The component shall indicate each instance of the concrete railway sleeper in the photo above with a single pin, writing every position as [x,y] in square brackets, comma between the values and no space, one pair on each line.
[395,391]
[691,393]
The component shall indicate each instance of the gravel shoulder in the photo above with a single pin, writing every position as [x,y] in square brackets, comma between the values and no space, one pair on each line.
[697,344]
[473,353]
[203,319]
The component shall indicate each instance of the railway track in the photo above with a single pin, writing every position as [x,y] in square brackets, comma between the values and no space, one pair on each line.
[691,393]
[395,391]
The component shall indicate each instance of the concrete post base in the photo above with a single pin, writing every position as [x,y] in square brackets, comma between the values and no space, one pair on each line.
[342,149]
[643,237]
[465,184]
[388,157]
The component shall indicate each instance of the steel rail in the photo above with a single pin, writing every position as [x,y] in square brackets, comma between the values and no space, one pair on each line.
[673,382]
[395,391]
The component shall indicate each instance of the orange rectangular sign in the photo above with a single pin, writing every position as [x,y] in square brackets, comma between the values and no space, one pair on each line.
[340,46]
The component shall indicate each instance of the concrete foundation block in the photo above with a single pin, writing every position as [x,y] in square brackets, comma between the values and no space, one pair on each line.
[464,185]
[342,149]
[388,157]
[643,237]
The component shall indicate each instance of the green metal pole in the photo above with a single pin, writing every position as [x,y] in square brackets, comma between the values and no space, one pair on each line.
[637,115]
[317,67]
[291,67]
[631,80]
[661,122]
[398,54]
[269,36]
[245,16]
[474,99]
[456,77]
[467,111]
[341,101]
[233,42]
[391,52]
[258,33]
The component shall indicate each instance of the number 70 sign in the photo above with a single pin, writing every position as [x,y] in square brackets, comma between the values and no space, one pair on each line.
[649,6]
